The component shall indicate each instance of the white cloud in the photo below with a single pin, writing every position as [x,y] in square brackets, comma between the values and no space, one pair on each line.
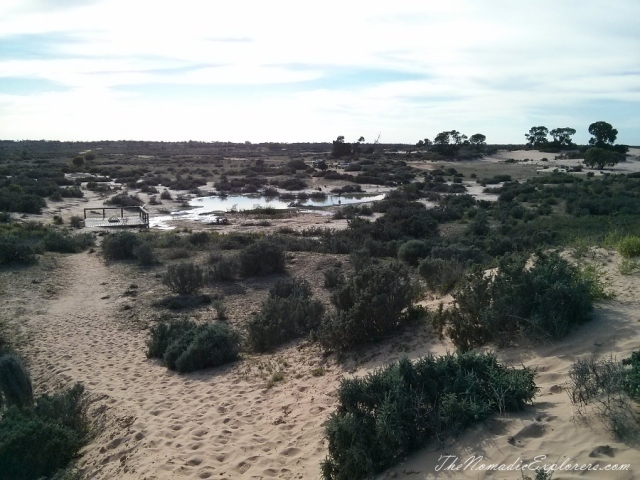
[491,66]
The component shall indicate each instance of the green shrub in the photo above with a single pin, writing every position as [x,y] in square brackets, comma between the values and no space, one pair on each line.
[186,346]
[37,441]
[369,305]
[223,268]
[262,258]
[55,241]
[333,278]
[120,246]
[15,382]
[289,312]
[412,251]
[184,278]
[629,246]
[76,221]
[544,301]
[145,254]
[213,345]
[398,409]
[162,334]
[609,385]
[441,275]
[125,200]
[14,249]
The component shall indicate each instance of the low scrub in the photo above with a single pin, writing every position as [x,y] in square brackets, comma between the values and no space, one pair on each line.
[223,268]
[541,302]
[37,437]
[369,305]
[288,312]
[184,278]
[120,246]
[261,258]
[125,200]
[413,251]
[609,385]
[186,346]
[441,275]
[400,408]
[15,383]
[629,246]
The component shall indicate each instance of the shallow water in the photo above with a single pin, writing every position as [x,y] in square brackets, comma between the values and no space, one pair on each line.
[208,209]
[250,202]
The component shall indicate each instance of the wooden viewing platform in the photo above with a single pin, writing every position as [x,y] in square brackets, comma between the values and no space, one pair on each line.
[116,217]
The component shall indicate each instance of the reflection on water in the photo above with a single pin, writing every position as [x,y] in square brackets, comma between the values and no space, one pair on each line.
[248,202]
[206,209]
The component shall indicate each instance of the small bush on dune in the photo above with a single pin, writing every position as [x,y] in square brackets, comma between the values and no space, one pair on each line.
[629,246]
[398,409]
[413,251]
[333,278]
[186,346]
[15,382]
[370,304]
[184,278]
[541,302]
[120,246]
[145,254]
[212,346]
[38,440]
[441,275]
[163,334]
[223,268]
[609,386]
[262,258]
[15,250]
[125,200]
[289,312]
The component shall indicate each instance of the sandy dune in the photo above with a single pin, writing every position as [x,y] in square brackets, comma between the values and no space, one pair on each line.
[226,423]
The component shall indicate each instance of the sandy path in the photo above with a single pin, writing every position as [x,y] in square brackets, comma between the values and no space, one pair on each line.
[219,423]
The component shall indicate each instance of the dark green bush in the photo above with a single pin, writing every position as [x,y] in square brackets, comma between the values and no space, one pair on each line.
[15,382]
[55,241]
[288,312]
[333,278]
[223,268]
[213,345]
[369,305]
[37,441]
[162,334]
[400,408]
[120,246]
[541,302]
[186,346]
[125,200]
[184,278]
[145,254]
[262,258]
[14,249]
[413,251]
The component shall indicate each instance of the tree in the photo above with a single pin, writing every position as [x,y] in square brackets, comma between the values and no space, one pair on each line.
[478,140]
[599,157]
[356,146]
[537,136]
[603,134]
[78,162]
[340,148]
[562,136]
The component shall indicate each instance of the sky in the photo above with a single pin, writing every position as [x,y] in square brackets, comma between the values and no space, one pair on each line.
[309,71]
